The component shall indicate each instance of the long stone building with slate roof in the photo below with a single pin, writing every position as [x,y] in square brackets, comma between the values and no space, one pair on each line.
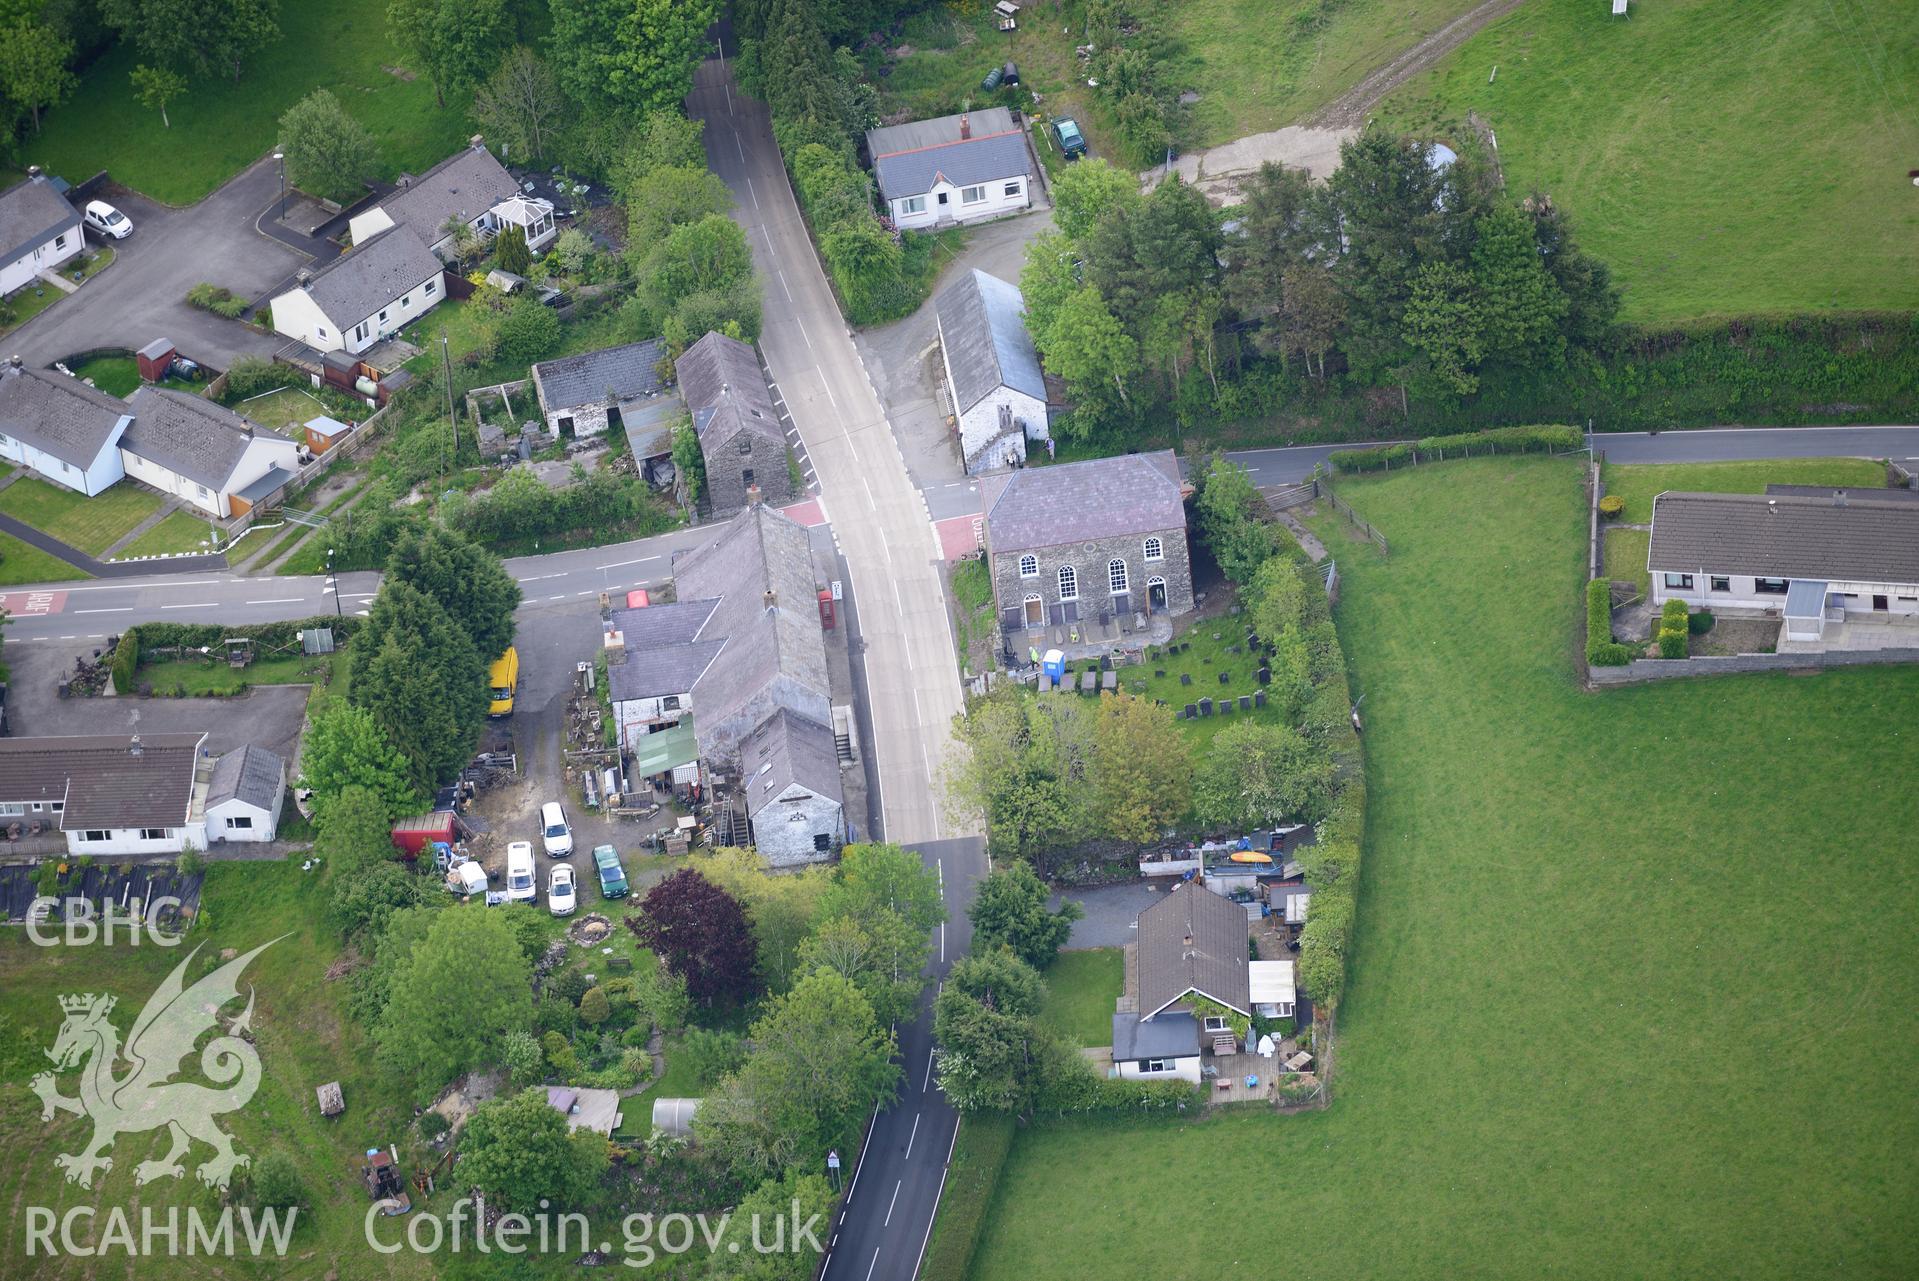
[954,169]
[741,440]
[740,659]
[992,371]
[1077,540]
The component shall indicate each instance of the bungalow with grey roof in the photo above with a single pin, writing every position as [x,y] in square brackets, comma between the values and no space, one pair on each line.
[992,371]
[1078,540]
[1841,567]
[39,230]
[954,169]
[61,428]
[363,296]
[469,187]
[203,453]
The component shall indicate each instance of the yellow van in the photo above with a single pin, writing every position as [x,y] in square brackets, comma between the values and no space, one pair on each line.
[504,678]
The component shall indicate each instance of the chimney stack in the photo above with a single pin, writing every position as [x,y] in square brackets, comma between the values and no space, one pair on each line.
[133,747]
[769,598]
[1838,498]
[14,361]
[33,171]
[966,126]
[476,140]
[303,277]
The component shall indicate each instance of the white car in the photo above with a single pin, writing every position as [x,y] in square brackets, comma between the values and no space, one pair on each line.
[554,833]
[559,890]
[520,887]
[107,220]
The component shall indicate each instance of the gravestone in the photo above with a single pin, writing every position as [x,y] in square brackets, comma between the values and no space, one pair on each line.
[1265,675]
[1245,702]
[1179,715]
[1224,677]
[1190,711]
[1205,707]
[1109,680]
[1186,678]
[1232,649]
[1159,672]
[1225,707]
[1259,698]
[1087,682]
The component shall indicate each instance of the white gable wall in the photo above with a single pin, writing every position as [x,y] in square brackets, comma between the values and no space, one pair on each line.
[237,820]
[979,426]
[133,840]
[364,226]
[22,271]
[998,197]
[1186,1069]
[104,470]
[785,831]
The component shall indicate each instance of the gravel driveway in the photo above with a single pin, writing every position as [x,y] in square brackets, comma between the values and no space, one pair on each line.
[142,296]
[1112,913]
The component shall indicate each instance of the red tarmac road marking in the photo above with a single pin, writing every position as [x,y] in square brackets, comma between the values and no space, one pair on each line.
[36,603]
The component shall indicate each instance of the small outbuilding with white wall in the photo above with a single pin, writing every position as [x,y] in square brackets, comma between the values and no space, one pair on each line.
[992,371]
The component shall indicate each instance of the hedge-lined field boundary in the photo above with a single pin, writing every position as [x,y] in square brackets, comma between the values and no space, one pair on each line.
[1545,439]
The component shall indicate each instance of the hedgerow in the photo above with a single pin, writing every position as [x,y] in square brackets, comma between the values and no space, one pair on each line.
[1601,649]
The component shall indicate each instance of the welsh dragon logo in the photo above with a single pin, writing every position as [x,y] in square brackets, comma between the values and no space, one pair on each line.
[146,1097]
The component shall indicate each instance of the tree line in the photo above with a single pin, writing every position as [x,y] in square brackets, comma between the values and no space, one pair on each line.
[1396,274]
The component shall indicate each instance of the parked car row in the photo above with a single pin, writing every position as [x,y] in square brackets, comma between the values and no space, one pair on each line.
[562,893]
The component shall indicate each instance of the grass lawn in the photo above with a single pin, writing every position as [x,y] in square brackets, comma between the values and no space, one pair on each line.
[305,1037]
[1640,483]
[285,410]
[1581,1035]
[24,563]
[213,676]
[1080,990]
[219,126]
[1624,553]
[115,375]
[973,593]
[91,262]
[179,532]
[1705,150]
[18,308]
[91,524]
[1208,642]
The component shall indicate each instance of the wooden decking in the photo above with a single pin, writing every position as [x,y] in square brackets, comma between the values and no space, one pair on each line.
[1234,1069]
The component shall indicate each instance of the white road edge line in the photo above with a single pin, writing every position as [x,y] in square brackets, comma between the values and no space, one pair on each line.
[887,1222]
[914,1135]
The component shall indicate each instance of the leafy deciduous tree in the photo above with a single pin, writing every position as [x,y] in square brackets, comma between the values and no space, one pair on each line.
[328,153]
[699,932]
[1010,909]
[345,750]
[1256,774]
[520,107]
[454,41]
[207,36]
[155,87]
[438,1021]
[518,1151]
[1142,769]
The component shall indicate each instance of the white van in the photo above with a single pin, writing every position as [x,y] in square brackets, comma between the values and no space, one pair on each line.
[520,886]
[554,833]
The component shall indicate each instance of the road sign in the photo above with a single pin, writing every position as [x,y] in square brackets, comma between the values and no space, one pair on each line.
[832,1160]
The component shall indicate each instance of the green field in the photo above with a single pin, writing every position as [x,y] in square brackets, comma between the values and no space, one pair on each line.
[1709,152]
[23,563]
[91,524]
[1080,990]
[1640,483]
[1586,1035]
[220,127]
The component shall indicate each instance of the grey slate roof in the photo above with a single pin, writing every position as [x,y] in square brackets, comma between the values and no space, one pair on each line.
[664,650]
[787,749]
[908,158]
[776,643]
[982,324]
[1213,962]
[1170,1036]
[1887,495]
[725,391]
[1077,502]
[103,780]
[32,213]
[357,284]
[467,184]
[249,774]
[1786,536]
[56,414]
[189,435]
[628,371]
[269,480]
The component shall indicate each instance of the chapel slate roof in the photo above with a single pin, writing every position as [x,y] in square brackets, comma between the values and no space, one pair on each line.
[785,749]
[1077,502]
[106,780]
[56,414]
[466,184]
[374,273]
[189,435]
[1786,536]
[982,324]
[32,213]
[726,392]
[629,372]
[251,775]
[1193,940]
[909,158]
[760,570]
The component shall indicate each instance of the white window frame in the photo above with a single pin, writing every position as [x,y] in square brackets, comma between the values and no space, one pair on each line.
[1118,581]
[153,833]
[1214,1023]
[1154,549]
[429,287]
[1068,583]
[1156,1065]
[1029,567]
[1014,190]
[913,205]
[974,195]
[1679,582]
[241,822]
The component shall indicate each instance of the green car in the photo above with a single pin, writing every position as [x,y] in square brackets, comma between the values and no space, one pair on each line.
[612,876]
[1072,143]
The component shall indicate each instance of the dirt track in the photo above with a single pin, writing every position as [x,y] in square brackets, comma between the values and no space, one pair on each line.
[1350,109]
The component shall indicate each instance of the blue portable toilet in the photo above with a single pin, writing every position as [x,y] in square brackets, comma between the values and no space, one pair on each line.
[1054,666]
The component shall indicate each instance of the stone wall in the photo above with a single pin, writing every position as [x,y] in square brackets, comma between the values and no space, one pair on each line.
[1641,670]
[726,469]
[1090,561]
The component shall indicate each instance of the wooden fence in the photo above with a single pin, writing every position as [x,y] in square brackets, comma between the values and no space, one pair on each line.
[1357,521]
[1281,497]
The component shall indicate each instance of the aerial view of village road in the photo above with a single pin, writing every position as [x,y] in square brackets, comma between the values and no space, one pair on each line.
[959,640]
